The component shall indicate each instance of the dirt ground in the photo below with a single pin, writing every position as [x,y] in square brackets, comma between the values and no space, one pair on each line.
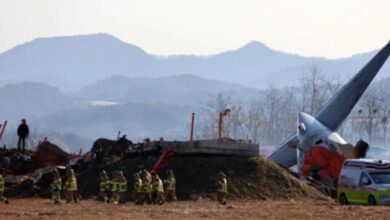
[37,208]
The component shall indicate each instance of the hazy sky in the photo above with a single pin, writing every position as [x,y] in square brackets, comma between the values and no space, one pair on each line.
[331,28]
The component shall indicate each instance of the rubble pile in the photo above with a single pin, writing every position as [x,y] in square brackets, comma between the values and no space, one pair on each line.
[29,173]
[14,162]
[249,177]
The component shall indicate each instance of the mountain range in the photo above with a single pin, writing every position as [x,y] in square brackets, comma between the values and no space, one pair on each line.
[179,90]
[73,62]
[79,88]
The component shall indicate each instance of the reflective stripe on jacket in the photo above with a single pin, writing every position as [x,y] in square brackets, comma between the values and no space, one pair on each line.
[170,184]
[146,186]
[137,185]
[57,184]
[122,185]
[158,186]
[71,184]
[2,183]
[114,185]
[104,185]
[222,185]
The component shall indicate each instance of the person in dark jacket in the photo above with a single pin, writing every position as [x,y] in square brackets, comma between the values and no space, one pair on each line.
[23,134]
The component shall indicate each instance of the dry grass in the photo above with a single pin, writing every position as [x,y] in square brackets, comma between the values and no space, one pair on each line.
[36,208]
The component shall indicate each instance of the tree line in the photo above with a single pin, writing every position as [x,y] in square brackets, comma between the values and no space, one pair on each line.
[272,117]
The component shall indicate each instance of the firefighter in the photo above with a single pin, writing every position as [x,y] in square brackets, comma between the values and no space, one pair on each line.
[148,176]
[146,188]
[2,188]
[157,189]
[56,187]
[170,187]
[122,182]
[221,188]
[115,188]
[70,187]
[137,188]
[104,186]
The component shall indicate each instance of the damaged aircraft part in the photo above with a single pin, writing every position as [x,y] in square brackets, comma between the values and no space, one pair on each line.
[33,176]
[334,113]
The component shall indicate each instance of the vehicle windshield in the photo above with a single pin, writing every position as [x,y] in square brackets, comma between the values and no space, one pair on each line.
[381,177]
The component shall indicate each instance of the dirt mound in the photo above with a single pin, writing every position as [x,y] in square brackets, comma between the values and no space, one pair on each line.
[51,154]
[253,177]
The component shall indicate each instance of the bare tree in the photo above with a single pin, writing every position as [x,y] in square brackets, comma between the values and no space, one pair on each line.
[210,113]
[235,121]
[272,116]
[316,89]
[251,121]
[369,108]
[273,107]
[384,110]
[242,122]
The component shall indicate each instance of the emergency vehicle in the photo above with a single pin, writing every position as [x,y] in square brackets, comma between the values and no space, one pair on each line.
[364,181]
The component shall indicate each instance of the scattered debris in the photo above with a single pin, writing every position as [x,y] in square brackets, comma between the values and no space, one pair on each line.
[249,177]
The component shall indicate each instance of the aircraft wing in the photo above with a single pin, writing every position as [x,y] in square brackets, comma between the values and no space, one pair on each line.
[286,154]
[338,108]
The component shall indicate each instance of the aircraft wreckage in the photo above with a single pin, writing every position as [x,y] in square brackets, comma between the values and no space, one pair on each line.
[315,144]
[316,148]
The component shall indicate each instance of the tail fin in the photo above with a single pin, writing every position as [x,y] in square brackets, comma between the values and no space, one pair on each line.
[339,107]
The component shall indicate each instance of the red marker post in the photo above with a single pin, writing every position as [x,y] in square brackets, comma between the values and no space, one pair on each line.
[2,128]
[220,123]
[192,127]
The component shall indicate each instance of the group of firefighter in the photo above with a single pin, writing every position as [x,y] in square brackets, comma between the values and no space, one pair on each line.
[69,187]
[147,188]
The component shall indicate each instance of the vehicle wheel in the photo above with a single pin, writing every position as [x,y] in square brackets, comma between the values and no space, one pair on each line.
[371,200]
[343,199]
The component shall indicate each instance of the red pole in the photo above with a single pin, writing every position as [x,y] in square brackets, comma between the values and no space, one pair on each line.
[220,127]
[2,128]
[192,127]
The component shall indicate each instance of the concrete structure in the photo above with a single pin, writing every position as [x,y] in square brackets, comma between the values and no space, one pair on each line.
[227,147]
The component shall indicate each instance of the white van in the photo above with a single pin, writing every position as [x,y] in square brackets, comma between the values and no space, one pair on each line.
[364,181]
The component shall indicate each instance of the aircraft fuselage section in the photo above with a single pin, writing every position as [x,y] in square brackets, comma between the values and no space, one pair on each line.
[311,133]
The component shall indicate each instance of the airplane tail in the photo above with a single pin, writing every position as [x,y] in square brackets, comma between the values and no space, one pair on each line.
[337,109]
